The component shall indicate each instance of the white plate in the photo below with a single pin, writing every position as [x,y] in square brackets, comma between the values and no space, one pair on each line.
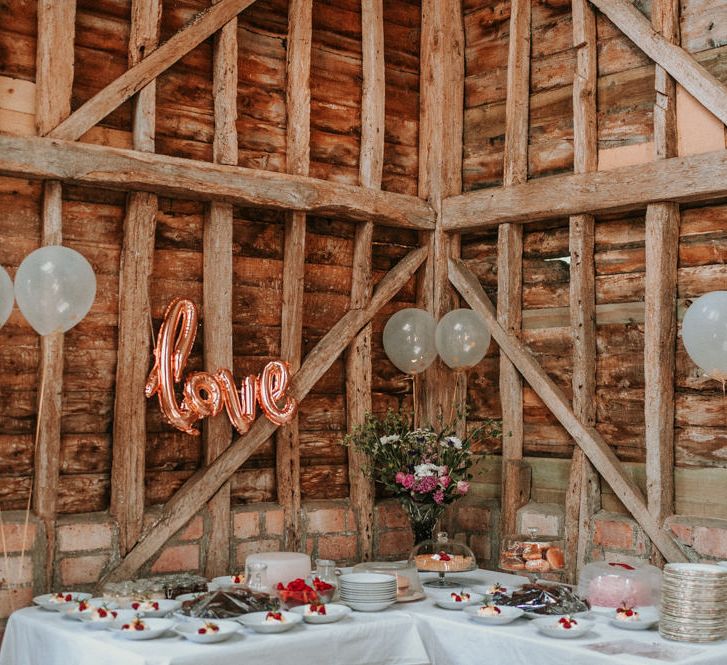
[507,615]
[369,607]
[72,612]
[549,626]
[44,601]
[446,603]
[333,613]
[156,628]
[367,579]
[123,616]
[368,596]
[648,617]
[225,582]
[256,621]
[190,631]
[166,606]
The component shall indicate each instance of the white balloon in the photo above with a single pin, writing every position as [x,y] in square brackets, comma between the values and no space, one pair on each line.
[704,331]
[409,340]
[462,338]
[55,287]
[6,296]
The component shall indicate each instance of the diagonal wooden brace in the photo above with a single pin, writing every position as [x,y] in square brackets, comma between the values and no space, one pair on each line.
[204,484]
[588,438]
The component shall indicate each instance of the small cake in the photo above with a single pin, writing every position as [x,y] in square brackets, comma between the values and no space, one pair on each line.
[443,562]
[274,617]
[103,614]
[315,610]
[625,613]
[535,557]
[145,605]
[461,597]
[489,611]
[208,627]
[58,598]
[135,624]
[566,623]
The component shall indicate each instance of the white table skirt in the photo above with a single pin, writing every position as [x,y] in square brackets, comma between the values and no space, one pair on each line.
[412,634]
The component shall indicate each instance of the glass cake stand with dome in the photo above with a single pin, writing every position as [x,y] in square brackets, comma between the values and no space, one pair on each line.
[441,555]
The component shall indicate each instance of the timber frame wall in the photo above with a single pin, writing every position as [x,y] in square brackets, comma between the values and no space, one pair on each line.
[446,221]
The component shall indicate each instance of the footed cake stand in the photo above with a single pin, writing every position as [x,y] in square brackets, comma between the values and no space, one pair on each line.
[442,556]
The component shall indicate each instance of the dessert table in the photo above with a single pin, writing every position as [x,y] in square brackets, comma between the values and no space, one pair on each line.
[417,633]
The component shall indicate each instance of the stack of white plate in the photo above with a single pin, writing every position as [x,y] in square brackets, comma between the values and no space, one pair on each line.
[694,602]
[368,592]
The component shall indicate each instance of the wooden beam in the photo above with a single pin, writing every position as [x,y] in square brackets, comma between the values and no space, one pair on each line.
[217,287]
[143,72]
[441,113]
[695,178]
[510,260]
[134,348]
[583,496]
[114,168]
[287,460]
[54,75]
[660,292]
[358,355]
[707,89]
[203,484]
[587,437]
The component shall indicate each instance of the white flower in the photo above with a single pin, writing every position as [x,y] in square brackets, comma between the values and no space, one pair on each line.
[392,438]
[424,470]
[455,442]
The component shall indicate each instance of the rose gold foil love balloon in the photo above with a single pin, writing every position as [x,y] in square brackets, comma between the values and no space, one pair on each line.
[273,385]
[202,394]
[171,354]
[240,406]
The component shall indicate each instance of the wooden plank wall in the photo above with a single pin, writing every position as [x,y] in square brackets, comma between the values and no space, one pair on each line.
[185,126]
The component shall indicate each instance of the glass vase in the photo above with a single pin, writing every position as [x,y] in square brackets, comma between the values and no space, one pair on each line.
[423,517]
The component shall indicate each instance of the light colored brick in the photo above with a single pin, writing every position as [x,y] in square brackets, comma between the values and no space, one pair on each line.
[683,532]
[710,541]
[83,536]
[395,544]
[177,558]
[614,534]
[14,599]
[246,525]
[274,522]
[338,548]
[194,529]
[14,536]
[327,520]
[82,569]
[255,547]
[392,516]
[16,570]
[473,518]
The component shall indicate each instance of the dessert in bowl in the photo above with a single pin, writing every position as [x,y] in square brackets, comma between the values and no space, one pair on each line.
[141,628]
[633,618]
[493,615]
[459,600]
[76,611]
[322,613]
[101,618]
[271,622]
[207,632]
[564,627]
[61,601]
[155,607]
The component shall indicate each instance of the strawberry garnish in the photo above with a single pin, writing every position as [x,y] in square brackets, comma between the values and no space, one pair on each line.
[135,605]
[68,598]
[456,597]
[102,613]
[202,631]
[567,623]
[126,626]
[237,579]
[139,626]
[276,616]
[318,609]
[320,585]
[443,556]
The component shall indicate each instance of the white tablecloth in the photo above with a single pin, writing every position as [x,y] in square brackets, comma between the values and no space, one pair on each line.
[412,634]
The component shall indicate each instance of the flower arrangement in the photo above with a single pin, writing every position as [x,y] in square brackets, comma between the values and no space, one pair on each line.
[425,468]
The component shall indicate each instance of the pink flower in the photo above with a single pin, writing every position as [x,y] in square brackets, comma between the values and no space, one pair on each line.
[463,487]
[399,478]
[426,485]
[444,482]
[438,497]
[408,481]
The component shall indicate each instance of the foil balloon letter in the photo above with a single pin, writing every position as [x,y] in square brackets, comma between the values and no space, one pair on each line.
[202,394]
[272,388]
[240,406]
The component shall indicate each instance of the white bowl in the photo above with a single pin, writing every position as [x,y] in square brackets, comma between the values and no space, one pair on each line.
[190,631]
[507,615]
[256,621]
[166,606]
[333,613]
[72,611]
[122,616]
[362,606]
[44,601]
[648,617]
[446,603]
[484,589]
[225,582]
[155,628]
[549,626]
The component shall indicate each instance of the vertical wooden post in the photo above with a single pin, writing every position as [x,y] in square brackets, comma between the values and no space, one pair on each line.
[129,445]
[217,287]
[583,497]
[441,114]
[358,356]
[660,293]
[54,84]
[300,27]
[509,260]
